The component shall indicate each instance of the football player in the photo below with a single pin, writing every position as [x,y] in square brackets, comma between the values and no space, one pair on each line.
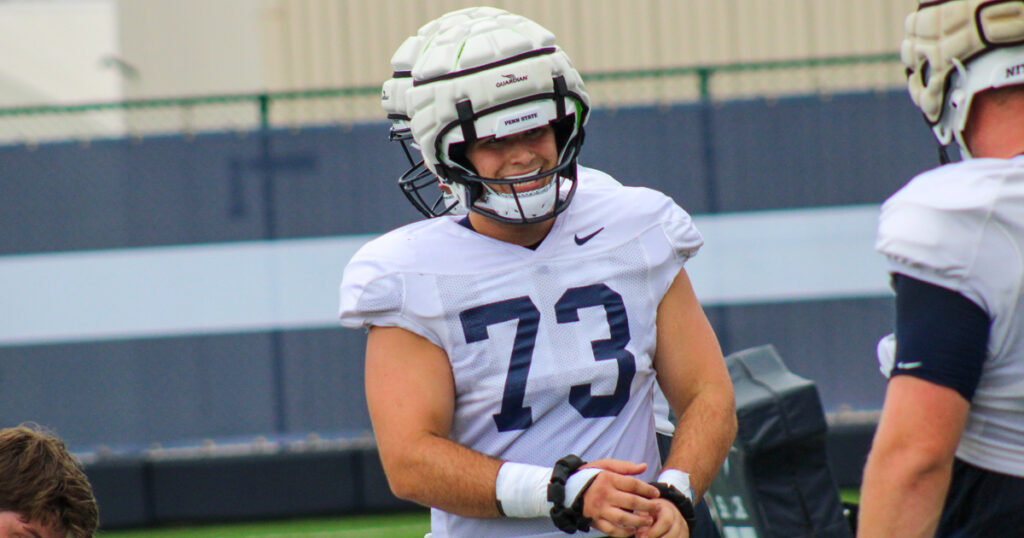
[510,346]
[948,455]
[421,186]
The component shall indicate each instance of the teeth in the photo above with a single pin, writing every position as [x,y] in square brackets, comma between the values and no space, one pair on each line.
[521,176]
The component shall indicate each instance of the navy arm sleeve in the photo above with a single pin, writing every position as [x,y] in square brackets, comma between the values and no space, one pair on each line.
[941,336]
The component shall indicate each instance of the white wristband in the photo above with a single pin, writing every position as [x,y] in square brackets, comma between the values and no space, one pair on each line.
[679,479]
[522,490]
[576,482]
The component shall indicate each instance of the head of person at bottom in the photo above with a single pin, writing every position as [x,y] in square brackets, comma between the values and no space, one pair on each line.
[43,491]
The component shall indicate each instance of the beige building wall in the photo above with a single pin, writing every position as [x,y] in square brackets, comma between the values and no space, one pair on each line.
[322,43]
[60,52]
[180,48]
[44,45]
[186,48]
[189,47]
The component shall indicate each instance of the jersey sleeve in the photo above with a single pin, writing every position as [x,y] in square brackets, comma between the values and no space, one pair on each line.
[675,240]
[931,230]
[682,233]
[374,293]
[677,227]
[596,178]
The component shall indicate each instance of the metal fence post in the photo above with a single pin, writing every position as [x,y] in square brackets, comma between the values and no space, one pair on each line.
[266,160]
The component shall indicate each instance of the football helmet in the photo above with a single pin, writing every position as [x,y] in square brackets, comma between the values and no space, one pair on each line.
[953,50]
[418,183]
[497,75]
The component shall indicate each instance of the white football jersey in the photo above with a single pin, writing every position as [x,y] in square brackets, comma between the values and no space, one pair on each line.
[662,411]
[595,178]
[961,227]
[551,349]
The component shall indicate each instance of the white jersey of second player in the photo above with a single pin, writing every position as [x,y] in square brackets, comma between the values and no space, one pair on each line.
[551,349]
[961,227]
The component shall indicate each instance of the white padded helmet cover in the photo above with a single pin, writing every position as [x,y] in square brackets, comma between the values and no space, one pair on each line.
[943,32]
[393,100]
[454,67]
[402,61]
[392,92]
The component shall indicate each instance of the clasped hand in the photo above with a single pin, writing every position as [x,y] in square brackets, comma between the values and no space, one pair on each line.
[621,505]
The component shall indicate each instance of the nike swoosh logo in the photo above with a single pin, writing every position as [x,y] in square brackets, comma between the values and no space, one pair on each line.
[581,240]
[908,365]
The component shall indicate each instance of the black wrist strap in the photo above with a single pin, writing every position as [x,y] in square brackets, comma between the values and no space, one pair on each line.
[568,519]
[681,502]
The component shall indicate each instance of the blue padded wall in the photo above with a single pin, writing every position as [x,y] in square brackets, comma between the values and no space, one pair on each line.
[724,157]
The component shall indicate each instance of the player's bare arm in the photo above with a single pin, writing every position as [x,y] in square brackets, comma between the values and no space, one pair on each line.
[908,470]
[410,394]
[693,375]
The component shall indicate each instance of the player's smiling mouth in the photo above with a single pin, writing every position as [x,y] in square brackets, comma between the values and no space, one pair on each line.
[529,185]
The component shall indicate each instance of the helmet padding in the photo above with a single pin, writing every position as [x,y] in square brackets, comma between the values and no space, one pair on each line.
[944,41]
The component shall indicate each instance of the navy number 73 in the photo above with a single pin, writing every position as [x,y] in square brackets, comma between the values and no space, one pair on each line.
[514,415]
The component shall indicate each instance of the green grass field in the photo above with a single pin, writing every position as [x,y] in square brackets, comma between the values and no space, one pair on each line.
[405,525]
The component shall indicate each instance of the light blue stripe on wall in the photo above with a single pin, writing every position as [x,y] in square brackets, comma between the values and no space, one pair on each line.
[791,255]
[748,258]
[167,291]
